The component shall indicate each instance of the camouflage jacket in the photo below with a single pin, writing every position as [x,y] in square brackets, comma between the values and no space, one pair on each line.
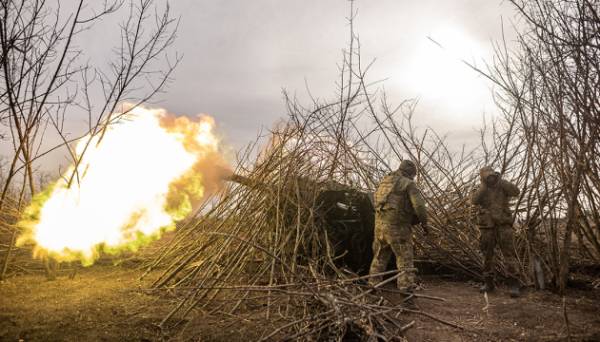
[399,197]
[493,203]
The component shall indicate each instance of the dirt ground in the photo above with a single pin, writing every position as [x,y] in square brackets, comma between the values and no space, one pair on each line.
[536,316]
[107,304]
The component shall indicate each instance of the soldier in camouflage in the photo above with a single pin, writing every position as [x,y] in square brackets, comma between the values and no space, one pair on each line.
[398,206]
[494,219]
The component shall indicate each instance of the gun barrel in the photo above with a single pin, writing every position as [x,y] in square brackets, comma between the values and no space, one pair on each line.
[242,180]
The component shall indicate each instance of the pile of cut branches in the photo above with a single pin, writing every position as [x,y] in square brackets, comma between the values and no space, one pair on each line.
[266,242]
[268,234]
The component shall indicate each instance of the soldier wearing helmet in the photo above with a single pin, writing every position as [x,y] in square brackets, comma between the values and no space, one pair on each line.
[494,219]
[398,206]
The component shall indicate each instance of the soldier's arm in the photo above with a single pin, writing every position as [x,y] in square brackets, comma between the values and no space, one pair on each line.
[477,195]
[509,188]
[418,203]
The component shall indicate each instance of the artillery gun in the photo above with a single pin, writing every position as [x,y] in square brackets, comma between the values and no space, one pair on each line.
[344,213]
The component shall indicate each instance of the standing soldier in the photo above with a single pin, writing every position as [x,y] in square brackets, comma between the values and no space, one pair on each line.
[495,222]
[398,206]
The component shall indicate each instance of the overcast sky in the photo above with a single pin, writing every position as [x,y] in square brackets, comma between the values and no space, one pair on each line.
[239,55]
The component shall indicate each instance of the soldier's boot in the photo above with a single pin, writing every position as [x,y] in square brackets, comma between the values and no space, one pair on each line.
[408,297]
[488,285]
[514,288]
[409,303]
[408,300]
[374,290]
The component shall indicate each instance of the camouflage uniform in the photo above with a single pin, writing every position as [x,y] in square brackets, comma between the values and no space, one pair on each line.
[398,205]
[495,222]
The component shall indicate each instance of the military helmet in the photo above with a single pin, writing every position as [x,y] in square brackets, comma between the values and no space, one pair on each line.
[489,175]
[408,168]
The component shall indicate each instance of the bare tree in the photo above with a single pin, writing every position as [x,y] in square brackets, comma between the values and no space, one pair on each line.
[47,78]
[550,88]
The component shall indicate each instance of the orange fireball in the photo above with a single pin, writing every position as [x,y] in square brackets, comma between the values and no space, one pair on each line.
[147,172]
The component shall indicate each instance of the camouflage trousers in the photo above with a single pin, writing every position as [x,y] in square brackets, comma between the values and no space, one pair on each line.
[393,239]
[503,237]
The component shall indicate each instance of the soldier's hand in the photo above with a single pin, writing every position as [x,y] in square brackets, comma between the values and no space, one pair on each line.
[492,180]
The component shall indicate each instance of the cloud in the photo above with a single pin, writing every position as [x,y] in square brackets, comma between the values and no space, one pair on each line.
[238,55]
